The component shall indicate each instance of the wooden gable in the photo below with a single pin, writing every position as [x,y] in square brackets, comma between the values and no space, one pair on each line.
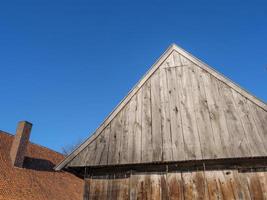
[181,110]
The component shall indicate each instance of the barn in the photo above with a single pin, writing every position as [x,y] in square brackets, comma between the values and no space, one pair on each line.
[183,132]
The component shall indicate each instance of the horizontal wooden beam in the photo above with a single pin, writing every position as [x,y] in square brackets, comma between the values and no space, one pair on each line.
[243,164]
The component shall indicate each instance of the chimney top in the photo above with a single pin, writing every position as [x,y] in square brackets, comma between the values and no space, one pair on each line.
[20,142]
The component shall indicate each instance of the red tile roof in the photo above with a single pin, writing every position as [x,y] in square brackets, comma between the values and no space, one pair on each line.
[37,180]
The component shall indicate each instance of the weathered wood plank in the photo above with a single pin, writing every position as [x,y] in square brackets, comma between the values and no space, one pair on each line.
[115,136]
[192,146]
[219,76]
[212,185]
[239,185]
[124,159]
[175,115]
[101,154]
[217,118]
[187,185]
[134,187]
[175,186]
[225,186]
[165,116]
[155,186]
[123,188]
[199,185]
[86,189]
[156,117]
[164,187]
[254,140]
[131,140]
[98,189]
[260,119]
[239,141]
[147,149]
[137,146]
[201,109]
[262,176]
[140,187]
[254,186]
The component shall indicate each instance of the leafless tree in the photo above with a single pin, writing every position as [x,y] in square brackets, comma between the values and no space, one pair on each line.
[66,150]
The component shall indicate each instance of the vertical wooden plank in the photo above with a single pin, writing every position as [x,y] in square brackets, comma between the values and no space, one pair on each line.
[118,188]
[103,158]
[254,186]
[260,119]
[239,141]
[254,140]
[137,145]
[156,117]
[175,186]
[263,183]
[188,185]
[192,146]
[165,114]
[86,189]
[140,187]
[98,189]
[147,149]
[217,118]
[239,185]
[133,186]
[155,186]
[212,185]
[101,154]
[225,186]
[124,159]
[123,188]
[164,187]
[175,114]
[131,130]
[199,185]
[91,153]
[112,189]
[201,109]
[115,135]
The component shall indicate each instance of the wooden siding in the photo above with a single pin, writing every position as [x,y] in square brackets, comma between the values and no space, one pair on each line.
[182,112]
[218,184]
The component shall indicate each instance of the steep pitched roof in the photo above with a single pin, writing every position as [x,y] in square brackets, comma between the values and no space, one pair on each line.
[37,180]
[181,109]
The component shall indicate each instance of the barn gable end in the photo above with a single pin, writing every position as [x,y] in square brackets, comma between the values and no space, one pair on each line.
[181,110]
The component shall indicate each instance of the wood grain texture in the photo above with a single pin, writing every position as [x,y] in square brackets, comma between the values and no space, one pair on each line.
[181,112]
[205,131]
[165,116]
[175,116]
[147,148]
[206,185]
[192,144]
[157,142]
[175,58]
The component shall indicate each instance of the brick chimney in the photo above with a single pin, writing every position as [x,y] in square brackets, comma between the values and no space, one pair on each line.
[20,142]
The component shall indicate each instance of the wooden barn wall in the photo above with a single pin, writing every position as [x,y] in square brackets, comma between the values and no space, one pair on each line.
[224,184]
[181,113]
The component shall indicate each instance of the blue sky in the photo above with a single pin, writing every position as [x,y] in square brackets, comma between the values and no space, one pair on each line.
[65,65]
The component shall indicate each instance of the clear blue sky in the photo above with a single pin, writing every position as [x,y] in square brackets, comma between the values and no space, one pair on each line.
[65,65]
